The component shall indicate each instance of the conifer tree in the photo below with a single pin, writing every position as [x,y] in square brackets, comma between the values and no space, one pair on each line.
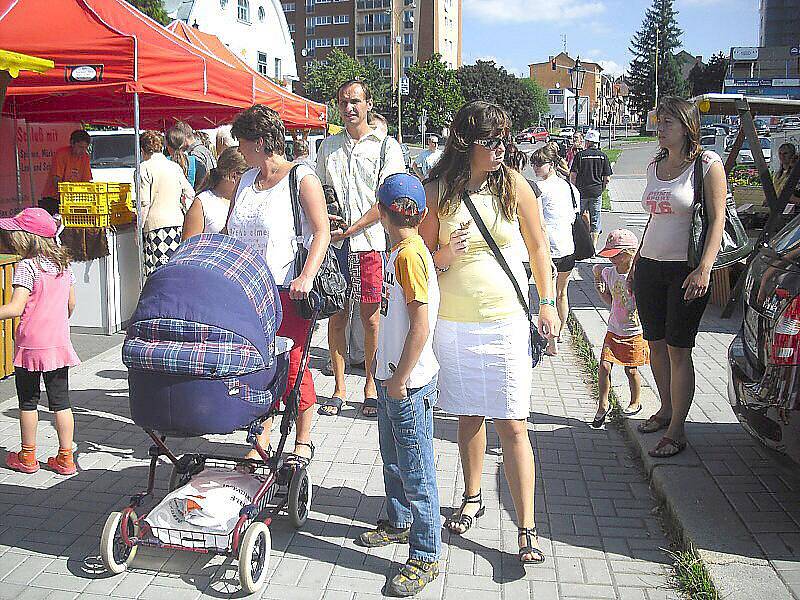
[659,25]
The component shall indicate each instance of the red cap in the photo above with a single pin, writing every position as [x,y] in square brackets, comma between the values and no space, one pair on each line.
[33,220]
[617,241]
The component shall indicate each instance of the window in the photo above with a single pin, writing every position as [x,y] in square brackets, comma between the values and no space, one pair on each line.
[341,19]
[289,7]
[262,63]
[291,27]
[309,6]
[408,19]
[407,62]
[408,42]
[341,42]
[278,69]
[262,14]
[223,4]
[243,11]
[326,20]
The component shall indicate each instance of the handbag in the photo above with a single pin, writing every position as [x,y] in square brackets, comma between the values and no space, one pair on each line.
[329,284]
[538,341]
[735,244]
[584,246]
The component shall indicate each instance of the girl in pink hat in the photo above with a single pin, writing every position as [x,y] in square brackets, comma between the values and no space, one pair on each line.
[43,299]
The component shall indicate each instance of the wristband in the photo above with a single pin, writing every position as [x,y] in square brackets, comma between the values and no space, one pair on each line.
[547,302]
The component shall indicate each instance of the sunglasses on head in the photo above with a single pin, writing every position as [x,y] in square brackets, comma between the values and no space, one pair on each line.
[492,143]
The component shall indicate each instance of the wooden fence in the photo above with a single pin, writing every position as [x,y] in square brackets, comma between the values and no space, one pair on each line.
[9,326]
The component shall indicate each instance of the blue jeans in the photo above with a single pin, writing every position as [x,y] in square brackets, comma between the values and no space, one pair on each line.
[405,434]
[594,206]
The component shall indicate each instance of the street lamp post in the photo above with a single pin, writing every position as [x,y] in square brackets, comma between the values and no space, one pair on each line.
[396,13]
[577,74]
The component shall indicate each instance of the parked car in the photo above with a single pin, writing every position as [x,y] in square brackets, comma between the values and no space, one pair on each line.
[532,135]
[764,357]
[745,156]
[762,127]
[713,130]
[709,142]
[790,123]
[567,131]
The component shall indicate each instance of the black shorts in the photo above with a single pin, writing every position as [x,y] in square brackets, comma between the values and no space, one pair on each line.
[56,383]
[664,314]
[565,264]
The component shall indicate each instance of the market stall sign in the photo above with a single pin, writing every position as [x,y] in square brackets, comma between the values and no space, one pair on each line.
[83,73]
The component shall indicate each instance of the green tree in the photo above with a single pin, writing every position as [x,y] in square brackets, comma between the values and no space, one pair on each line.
[540,94]
[324,78]
[486,81]
[659,30]
[152,8]
[434,88]
[709,78]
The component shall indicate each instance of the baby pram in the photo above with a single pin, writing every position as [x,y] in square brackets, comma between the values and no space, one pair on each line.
[203,358]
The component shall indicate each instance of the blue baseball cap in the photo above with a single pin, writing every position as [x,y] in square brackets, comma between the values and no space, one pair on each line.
[401,185]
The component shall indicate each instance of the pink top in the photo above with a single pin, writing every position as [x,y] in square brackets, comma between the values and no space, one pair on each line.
[624,317]
[43,342]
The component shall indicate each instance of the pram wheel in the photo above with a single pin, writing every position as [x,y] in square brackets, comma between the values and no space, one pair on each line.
[299,502]
[254,557]
[116,554]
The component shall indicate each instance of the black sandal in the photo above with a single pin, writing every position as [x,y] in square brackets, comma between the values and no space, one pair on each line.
[529,548]
[301,460]
[372,404]
[462,520]
[335,403]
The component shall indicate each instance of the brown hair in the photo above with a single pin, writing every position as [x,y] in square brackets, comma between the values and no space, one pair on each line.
[300,148]
[78,136]
[515,158]
[260,122]
[474,121]
[688,116]
[548,154]
[30,245]
[176,140]
[348,83]
[406,215]
[230,162]
[151,142]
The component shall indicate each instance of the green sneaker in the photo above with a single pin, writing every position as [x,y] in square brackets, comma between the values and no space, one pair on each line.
[412,577]
[383,535]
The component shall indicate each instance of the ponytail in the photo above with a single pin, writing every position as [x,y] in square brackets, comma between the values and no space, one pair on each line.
[549,154]
[230,163]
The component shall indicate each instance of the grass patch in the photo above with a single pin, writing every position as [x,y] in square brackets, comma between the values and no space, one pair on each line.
[612,154]
[691,575]
[589,365]
[639,138]
[606,200]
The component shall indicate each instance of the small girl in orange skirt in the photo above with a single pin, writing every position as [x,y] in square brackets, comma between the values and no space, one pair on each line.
[624,344]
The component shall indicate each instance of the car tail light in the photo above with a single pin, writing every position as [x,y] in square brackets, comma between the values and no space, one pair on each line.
[786,335]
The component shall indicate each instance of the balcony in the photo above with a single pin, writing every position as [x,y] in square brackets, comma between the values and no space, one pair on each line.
[372,27]
[373,4]
[373,50]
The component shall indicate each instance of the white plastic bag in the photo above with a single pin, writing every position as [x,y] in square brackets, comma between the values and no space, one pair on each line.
[209,505]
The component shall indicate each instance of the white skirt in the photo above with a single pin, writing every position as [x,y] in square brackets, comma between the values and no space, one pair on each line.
[484,368]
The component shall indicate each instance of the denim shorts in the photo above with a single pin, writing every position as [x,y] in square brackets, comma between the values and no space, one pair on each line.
[594,206]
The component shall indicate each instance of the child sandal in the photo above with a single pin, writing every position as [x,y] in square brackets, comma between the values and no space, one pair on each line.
[62,468]
[13,462]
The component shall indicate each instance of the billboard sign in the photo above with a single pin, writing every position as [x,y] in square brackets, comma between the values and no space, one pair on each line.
[744,53]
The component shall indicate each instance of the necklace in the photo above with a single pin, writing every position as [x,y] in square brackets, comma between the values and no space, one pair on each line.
[482,188]
[261,180]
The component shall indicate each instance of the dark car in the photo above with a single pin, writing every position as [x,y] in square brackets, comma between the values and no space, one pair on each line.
[764,358]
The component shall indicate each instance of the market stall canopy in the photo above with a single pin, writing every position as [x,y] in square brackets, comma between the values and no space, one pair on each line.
[105,51]
[725,104]
[295,110]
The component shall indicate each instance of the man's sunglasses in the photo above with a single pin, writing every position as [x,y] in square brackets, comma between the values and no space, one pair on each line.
[492,143]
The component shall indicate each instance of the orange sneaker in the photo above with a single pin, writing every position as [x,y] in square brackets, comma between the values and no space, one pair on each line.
[13,462]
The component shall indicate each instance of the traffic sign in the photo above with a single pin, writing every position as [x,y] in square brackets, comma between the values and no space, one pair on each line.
[404,86]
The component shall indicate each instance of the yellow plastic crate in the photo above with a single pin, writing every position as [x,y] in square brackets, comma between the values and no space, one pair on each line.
[100,195]
[83,221]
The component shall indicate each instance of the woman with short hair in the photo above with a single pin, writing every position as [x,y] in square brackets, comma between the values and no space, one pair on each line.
[482,338]
[262,217]
[164,194]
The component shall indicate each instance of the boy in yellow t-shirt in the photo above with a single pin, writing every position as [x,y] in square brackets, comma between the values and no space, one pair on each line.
[405,373]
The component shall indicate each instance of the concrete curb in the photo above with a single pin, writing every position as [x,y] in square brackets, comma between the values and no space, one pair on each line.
[734,560]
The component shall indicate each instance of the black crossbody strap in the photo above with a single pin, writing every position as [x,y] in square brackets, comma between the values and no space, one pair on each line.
[299,259]
[572,193]
[698,179]
[498,255]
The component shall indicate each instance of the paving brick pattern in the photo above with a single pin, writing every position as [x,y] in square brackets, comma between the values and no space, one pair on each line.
[593,508]
[762,488]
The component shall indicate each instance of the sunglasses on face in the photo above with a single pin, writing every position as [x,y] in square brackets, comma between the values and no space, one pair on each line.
[492,143]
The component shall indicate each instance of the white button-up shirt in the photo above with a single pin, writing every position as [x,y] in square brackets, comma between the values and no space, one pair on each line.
[353,168]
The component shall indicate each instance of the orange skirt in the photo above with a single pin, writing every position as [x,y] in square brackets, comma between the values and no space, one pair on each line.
[628,351]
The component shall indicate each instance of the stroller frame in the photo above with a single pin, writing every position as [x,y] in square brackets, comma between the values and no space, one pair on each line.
[130,531]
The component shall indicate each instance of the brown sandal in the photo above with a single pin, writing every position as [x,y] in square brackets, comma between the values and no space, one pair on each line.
[653,424]
[667,448]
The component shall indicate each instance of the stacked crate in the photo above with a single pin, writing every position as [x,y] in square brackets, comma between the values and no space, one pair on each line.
[95,204]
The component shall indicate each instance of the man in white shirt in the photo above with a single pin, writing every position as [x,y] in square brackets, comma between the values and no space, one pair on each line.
[428,158]
[355,162]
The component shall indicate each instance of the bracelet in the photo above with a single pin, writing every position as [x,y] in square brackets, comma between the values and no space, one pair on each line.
[441,269]
[547,302]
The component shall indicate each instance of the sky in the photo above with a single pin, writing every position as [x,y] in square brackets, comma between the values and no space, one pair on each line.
[515,33]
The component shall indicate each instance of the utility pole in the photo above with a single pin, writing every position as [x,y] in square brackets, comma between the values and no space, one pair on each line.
[656,69]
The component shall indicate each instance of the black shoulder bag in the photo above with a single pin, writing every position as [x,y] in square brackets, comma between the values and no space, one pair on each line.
[735,244]
[538,341]
[329,284]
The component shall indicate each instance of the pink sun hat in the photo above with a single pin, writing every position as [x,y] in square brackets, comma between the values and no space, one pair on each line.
[33,220]
[617,241]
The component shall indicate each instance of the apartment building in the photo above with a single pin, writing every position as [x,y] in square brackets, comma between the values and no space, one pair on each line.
[393,33]
[555,73]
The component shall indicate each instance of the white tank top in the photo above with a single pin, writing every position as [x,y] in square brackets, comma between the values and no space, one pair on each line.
[215,211]
[263,220]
